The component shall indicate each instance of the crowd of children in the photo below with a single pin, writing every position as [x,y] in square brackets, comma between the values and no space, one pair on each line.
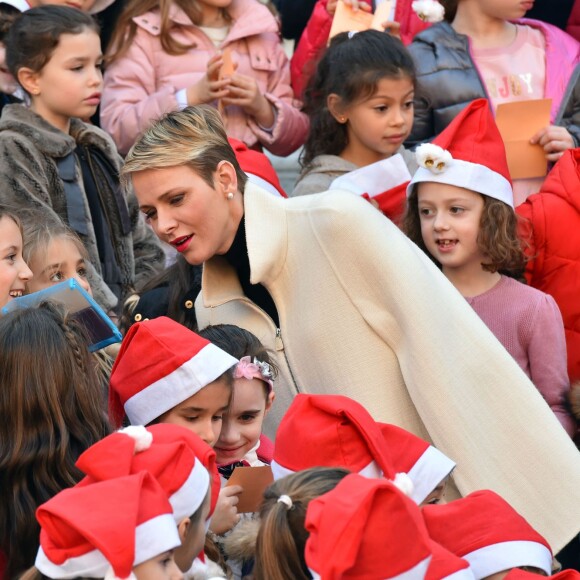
[116,464]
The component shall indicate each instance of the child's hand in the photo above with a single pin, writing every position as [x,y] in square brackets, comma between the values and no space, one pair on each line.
[393,28]
[244,92]
[354,4]
[555,140]
[226,516]
[210,87]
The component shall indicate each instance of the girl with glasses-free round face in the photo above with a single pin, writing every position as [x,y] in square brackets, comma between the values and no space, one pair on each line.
[14,272]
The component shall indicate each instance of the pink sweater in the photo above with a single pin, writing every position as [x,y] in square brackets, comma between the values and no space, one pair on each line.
[529,325]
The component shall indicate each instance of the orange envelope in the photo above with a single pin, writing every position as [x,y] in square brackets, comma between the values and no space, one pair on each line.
[254,480]
[228,68]
[518,122]
[346,19]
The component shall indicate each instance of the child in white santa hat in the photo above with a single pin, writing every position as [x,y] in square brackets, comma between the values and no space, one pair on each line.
[165,373]
[341,433]
[114,529]
[485,530]
[460,211]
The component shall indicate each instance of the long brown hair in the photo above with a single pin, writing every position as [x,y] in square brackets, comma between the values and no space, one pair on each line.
[52,409]
[282,536]
[450,9]
[126,29]
[497,239]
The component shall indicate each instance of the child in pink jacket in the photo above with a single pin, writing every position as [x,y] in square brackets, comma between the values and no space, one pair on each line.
[170,57]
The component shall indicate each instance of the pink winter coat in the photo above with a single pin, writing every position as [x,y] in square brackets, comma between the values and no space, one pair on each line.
[141,85]
[315,38]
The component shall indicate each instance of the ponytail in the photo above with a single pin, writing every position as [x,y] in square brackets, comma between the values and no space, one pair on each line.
[282,536]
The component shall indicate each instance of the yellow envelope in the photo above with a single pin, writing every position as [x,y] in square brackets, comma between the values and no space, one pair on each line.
[254,480]
[518,122]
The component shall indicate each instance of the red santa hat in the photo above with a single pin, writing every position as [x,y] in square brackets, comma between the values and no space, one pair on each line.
[486,531]
[172,454]
[119,524]
[161,364]
[469,153]
[332,431]
[366,528]
[424,464]
[257,167]
[447,566]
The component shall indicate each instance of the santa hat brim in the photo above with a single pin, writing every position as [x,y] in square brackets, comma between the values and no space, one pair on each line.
[418,571]
[371,471]
[467,175]
[428,472]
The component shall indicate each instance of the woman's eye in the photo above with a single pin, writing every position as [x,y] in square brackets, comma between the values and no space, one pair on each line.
[150,214]
[82,272]
[176,200]
[409,104]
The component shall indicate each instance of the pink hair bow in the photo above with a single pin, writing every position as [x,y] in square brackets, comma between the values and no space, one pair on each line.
[246,369]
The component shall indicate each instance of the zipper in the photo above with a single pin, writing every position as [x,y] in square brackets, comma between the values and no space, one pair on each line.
[278,342]
[85,153]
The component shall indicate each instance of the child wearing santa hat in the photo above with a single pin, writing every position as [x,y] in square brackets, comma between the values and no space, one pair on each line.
[341,433]
[485,530]
[114,529]
[460,211]
[182,464]
[165,373]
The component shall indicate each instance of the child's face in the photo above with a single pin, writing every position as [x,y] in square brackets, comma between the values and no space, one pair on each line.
[162,567]
[8,83]
[505,9]
[450,221]
[70,83]
[242,423]
[14,273]
[378,126]
[192,537]
[203,412]
[61,261]
[84,5]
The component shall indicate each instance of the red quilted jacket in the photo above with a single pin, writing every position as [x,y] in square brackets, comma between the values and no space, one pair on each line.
[553,230]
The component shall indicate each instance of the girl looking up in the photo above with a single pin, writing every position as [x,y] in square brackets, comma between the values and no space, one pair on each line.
[52,159]
[460,212]
[167,54]
[360,104]
[14,273]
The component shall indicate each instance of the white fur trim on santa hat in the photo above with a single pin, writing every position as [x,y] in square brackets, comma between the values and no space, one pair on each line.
[472,176]
[404,483]
[153,537]
[428,472]
[110,575]
[415,573]
[370,471]
[185,381]
[187,499]
[497,557]
[428,10]
[139,433]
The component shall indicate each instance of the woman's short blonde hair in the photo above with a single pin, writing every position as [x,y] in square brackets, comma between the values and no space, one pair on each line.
[194,137]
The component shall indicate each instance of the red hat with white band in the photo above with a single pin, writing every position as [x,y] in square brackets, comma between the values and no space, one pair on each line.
[161,364]
[447,566]
[366,528]
[468,153]
[486,531]
[332,431]
[106,529]
[424,464]
[176,457]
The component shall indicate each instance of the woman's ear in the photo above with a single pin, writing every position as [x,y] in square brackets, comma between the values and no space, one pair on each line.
[28,80]
[334,104]
[225,178]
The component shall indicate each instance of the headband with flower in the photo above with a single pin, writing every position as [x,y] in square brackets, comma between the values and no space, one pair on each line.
[256,369]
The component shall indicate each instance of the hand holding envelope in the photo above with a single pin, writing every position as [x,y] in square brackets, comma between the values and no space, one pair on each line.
[347,19]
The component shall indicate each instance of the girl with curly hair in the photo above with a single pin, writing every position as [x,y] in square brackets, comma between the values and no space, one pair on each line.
[460,212]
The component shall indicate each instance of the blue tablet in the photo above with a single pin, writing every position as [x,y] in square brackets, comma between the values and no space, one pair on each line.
[100,328]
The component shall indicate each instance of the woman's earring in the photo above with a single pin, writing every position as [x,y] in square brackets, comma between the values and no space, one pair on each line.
[230,195]
[342,120]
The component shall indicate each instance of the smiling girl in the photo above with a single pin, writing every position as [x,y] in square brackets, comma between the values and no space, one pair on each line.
[51,159]
[360,104]
[14,273]
[460,212]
